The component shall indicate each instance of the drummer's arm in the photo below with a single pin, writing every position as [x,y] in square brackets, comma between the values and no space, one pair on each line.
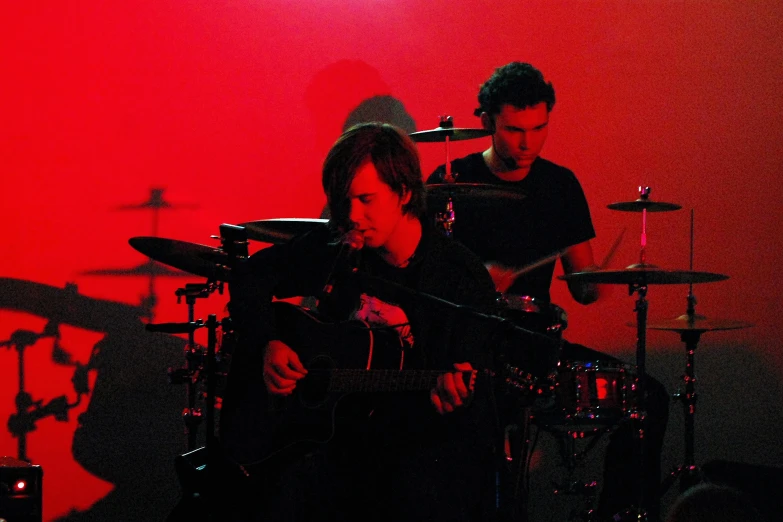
[579,258]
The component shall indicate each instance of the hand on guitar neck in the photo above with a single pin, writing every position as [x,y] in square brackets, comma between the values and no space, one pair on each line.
[451,392]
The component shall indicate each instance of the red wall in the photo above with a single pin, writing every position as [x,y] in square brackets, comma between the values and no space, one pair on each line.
[231,107]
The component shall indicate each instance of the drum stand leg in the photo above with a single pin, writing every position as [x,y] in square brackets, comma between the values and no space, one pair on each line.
[639,512]
[688,473]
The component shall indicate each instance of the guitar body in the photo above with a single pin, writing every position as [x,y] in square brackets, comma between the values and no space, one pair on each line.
[335,355]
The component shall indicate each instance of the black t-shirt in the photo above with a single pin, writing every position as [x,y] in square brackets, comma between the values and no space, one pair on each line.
[552,215]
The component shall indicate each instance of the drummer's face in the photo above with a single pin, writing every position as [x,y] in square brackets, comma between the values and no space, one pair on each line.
[518,135]
[375,209]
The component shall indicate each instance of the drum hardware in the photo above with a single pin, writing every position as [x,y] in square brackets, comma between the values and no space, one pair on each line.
[477,194]
[192,416]
[214,264]
[280,230]
[590,396]
[638,277]
[690,326]
[446,133]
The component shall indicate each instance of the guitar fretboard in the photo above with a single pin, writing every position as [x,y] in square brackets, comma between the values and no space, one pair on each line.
[358,380]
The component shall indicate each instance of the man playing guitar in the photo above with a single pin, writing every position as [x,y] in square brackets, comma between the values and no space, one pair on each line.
[401,456]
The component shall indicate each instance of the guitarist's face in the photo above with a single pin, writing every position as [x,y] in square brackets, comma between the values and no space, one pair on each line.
[376,210]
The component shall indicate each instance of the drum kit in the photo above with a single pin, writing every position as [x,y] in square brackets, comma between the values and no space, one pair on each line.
[588,396]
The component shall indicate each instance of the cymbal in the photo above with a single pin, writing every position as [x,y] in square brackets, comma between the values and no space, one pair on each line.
[148,268]
[196,259]
[454,134]
[643,204]
[696,323]
[643,274]
[66,305]
[280,230]
[478,191]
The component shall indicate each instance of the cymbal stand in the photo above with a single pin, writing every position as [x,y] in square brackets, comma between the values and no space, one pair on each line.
[639,415]
[194,357]
[640,308]
[688,472]
[191,474]
[446,218]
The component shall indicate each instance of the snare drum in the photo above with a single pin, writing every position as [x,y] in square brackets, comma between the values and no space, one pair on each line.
[590,395]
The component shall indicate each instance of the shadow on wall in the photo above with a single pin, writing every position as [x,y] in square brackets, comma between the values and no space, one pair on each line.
[132,428]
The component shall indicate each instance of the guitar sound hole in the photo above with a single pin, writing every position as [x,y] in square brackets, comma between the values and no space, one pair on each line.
[313,389]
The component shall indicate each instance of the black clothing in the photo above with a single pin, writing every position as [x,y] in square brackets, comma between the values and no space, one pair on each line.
[552,216]
[404,462]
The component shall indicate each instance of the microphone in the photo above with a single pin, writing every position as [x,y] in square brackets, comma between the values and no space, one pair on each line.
[350,243]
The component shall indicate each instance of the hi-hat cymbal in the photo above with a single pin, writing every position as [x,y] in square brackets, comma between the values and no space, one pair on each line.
[280,230]
[453,133]
[643,274]
[643,204]
[148,268]
[695,323]
[473,191]
[201,260]
[67,305]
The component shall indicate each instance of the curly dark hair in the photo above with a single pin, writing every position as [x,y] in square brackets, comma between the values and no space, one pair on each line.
[518,84]
[394,156]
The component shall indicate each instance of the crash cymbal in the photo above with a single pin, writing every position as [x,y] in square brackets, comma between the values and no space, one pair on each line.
[66,305]
[643,204]
[473,191]
[148,268]
[280,230]
[454,134]
[643,274]
[201,260]
[696,323]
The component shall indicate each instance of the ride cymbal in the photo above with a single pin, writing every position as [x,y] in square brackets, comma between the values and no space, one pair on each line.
[453,133]
[280,230]
[200,260]
[643,274]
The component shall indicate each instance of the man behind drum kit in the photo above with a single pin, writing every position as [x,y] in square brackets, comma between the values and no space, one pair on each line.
[553,220]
